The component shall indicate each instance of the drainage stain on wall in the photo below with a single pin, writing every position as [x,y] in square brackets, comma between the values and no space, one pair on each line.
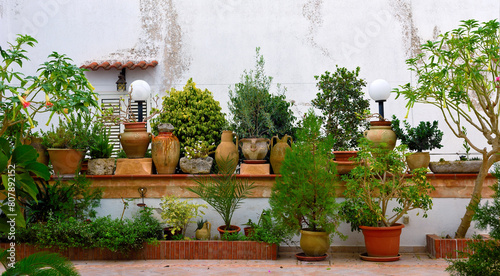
[411,40]
[312,12]
[161,39]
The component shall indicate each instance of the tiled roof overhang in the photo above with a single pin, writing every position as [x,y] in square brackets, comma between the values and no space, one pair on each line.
[118,65]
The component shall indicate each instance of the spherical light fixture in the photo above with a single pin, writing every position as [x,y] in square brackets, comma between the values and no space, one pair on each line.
[139,92]
[380,91]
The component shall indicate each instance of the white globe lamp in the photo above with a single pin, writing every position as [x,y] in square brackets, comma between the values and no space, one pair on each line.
[380,90]
[139,92]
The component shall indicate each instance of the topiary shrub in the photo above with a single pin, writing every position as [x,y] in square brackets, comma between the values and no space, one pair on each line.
[194,113]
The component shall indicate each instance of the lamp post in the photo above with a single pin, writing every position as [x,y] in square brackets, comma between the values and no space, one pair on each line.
[139,92]
[380,90]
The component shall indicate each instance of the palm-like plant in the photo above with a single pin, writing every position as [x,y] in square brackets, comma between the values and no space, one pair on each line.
[224,192]
[41,263]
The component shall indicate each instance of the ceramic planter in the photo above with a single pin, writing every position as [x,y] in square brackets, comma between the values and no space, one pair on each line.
[233,229]
[418,160]
[344,161]
[254,148]
[227,151]
[165,150]
[381,134]
[65,161]
[205,232]
[314,243]
[382,241]
[278,151]
[135,139]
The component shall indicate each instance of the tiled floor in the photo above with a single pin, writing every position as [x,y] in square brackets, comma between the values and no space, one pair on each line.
[287,264]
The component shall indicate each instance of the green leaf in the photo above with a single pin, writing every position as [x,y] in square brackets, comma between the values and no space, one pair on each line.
[23,154]
[39,169]
[4,161]
[5,147]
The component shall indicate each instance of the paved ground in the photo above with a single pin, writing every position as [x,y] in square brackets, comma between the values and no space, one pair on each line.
[287,264]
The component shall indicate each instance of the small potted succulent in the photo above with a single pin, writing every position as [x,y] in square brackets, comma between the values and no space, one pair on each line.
[68,143]
[303,198]
[197,159]
[381,178]
[100,150]
[177,214]
[425,136]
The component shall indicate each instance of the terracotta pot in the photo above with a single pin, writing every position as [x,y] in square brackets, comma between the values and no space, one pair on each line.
[278,152]
[381,134]
[43,156]
[248,231]
[165,150]
[65,161]
[135,139]
[418,160]
[314,243]
[233,229]
[205,232]
[345,167]
[254,148]
[382,241]
[345,155]
[227,152]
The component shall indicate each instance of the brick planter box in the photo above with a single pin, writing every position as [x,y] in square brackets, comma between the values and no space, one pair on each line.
[447,248]
[241,250]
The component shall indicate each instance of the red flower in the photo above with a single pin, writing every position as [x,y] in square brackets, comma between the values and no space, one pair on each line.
[24,102]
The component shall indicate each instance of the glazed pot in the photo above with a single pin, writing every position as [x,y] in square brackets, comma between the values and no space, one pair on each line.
[254,148]
[165,150]
[226,154]
[418,160]
[65,161]
[204,232]
[233,229]
[381,134]
[382,241]
[278,152]
[314,243]
[135,139]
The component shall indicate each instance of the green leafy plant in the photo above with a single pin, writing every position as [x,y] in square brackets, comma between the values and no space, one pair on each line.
[74,198]
[64,85]
[342,101]
[40,263]
[255,112]
[267,229]
[380,179]
[304,196]
[200,223]
[485,256]
[425,136]
[458,74]
[194,113]
[72,133]
[178,213]
[99,144]
[200,150]
[224,192]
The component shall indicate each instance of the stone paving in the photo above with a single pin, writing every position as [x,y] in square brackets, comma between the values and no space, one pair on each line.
[336,264]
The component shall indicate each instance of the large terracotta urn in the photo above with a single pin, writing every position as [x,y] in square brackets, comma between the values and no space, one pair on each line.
[254,148]
[278,151]
[135,139]
[226,154]
[381,134]
[165,150]
[65,161]
[314,243]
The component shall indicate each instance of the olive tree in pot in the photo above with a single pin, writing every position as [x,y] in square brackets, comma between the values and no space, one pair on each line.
[303,198]
[379,182]
[256,114]
[463,83]
[425,136]
[224,192]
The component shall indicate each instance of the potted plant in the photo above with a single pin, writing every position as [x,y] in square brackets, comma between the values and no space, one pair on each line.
[370,187]
[197,159]
[68,143]
[303,198]
[256,114]
[425,136]
[224,192]
[100,150]
[177,214]
[203,230]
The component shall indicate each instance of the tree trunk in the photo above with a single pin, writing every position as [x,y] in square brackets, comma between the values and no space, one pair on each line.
[475,197]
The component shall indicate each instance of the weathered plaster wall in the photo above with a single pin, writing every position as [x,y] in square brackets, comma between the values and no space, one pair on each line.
[215,41]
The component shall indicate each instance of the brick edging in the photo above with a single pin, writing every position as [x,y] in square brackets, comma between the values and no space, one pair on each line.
[447,248]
